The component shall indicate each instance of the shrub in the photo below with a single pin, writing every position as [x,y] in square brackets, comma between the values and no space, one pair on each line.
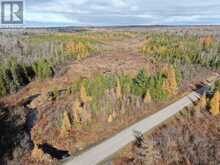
[143,151]
[13,76]
[43,69]
[3,85]
[17,73]
[217,85]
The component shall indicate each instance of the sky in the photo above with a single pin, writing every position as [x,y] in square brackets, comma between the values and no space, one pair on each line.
[121,12]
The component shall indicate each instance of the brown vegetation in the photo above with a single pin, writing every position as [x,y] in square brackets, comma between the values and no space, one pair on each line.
[91,98]
[190,138]
[37,153]
[214,104]
[66,125]
[170,84]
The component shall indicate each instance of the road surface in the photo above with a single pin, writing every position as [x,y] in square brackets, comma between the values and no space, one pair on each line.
[110,146]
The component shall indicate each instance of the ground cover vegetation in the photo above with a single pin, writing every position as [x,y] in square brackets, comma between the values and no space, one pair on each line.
[191,137]
[183,49]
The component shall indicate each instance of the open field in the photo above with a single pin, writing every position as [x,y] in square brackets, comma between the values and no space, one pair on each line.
[68,90]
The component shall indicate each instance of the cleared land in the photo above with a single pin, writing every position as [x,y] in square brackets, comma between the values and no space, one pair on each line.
[75,89]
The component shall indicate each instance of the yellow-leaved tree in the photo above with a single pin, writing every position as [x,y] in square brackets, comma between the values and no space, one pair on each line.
[214,104]
[207,42]
[66,125]
[147,97]
[77,49]
[170,84]
[83,95]
[118,89]
[203,101]
[81,115]
[77,110]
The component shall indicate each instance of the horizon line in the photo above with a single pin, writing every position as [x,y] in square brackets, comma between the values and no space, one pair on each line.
[102,26]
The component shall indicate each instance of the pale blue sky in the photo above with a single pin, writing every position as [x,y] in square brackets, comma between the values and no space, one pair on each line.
[122,12]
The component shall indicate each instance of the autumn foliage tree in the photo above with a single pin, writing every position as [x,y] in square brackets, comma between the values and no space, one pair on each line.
[78,50]
[207,42]
[170,84]
[214,104]
[183,49]
[118,89]
[84,96]
[66,125]
[147,97]
[203,101]
[81,115]
[77,110]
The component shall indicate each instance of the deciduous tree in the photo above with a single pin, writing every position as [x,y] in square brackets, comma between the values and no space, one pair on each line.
[66,124]
[214,104]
